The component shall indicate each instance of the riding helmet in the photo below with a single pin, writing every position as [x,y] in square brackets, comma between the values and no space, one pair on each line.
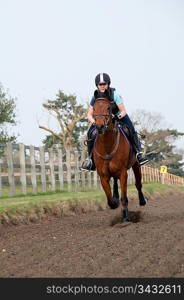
[102,78]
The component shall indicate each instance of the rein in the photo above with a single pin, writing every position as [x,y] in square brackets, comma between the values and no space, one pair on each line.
[109,115]
[105,115]
[116,144]
[109,156]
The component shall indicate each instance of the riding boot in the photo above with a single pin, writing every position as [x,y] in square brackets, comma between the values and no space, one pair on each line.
[137,147]
[88,164]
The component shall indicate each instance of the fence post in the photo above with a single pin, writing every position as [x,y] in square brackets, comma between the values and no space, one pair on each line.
[162,178]
[76,170]
[33,169]
[68,165]
[89,180]
[11,178]
[60,162]
[131,178]
[95,180]
[42,164]
[22,168]
[51,163]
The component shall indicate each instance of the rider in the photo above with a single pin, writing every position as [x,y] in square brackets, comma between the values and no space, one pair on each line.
[104,90]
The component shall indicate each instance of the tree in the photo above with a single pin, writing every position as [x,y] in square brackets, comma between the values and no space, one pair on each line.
[176,166]
[158,141]
[7,115]
[71,118]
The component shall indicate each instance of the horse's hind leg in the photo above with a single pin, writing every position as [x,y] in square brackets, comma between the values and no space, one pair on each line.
[113,202]
[124,198]
[138,178]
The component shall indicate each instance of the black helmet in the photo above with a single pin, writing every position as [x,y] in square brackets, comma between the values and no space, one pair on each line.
[102,78]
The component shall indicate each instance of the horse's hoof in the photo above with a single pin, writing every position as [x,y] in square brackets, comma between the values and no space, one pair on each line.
[143,202]
[125,220]
[114,204]
[125,223]
[122,224]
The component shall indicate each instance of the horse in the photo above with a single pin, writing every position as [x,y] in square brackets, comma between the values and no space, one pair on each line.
[113,155]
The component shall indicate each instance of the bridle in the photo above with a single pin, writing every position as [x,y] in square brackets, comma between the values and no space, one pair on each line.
[106,123]
[105,128]
[110,116]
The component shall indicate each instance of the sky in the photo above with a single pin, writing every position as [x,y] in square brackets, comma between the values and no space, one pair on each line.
[47,45]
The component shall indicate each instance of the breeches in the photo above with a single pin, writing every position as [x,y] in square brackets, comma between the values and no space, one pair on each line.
[126,121]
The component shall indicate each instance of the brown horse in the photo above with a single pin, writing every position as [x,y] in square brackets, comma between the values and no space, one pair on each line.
[113,156]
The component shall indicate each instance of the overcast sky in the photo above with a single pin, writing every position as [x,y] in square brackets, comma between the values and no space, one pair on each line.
[47,45]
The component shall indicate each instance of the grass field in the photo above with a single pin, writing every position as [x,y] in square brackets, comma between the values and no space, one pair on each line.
[30,203]
[18,191]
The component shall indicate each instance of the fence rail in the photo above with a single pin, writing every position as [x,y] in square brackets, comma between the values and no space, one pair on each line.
[26,169]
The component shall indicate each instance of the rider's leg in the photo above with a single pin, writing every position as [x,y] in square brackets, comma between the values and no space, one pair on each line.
[135,140]
[88,164]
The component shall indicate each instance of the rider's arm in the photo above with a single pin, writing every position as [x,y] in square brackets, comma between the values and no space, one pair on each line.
[122,111]
[120,103]
[90,115]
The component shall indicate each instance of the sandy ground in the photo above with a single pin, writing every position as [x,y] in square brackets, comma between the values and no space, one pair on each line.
[96,245]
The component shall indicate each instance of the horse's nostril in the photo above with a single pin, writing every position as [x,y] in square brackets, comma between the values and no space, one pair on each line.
[100,129]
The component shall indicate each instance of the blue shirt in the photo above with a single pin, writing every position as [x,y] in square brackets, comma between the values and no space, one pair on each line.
[118,99]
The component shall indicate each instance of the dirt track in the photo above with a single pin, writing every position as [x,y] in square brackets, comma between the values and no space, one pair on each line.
[88,245]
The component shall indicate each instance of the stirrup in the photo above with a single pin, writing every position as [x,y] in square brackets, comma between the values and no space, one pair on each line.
[141,160]
[139,153]
[88,165]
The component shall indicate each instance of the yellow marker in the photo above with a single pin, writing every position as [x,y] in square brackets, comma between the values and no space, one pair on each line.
[163,169]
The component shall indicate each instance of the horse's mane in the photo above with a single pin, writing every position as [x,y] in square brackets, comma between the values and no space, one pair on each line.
[104,100]
[114,106]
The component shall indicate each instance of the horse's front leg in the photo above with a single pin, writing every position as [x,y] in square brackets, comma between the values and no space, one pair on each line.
[124,198]
[113,202]
[138,183]
[115,190]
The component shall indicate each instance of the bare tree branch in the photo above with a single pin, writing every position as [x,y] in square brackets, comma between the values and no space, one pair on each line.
[67,113]
[60,136]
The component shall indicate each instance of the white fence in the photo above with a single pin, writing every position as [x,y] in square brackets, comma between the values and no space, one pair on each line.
[32,169]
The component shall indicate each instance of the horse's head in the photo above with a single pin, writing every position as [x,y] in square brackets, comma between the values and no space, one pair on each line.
[102,113]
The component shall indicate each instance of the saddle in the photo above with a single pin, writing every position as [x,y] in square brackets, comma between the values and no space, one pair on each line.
[126,130]
[123,127]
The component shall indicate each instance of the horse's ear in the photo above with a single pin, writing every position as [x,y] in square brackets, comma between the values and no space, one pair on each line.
[96,94]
